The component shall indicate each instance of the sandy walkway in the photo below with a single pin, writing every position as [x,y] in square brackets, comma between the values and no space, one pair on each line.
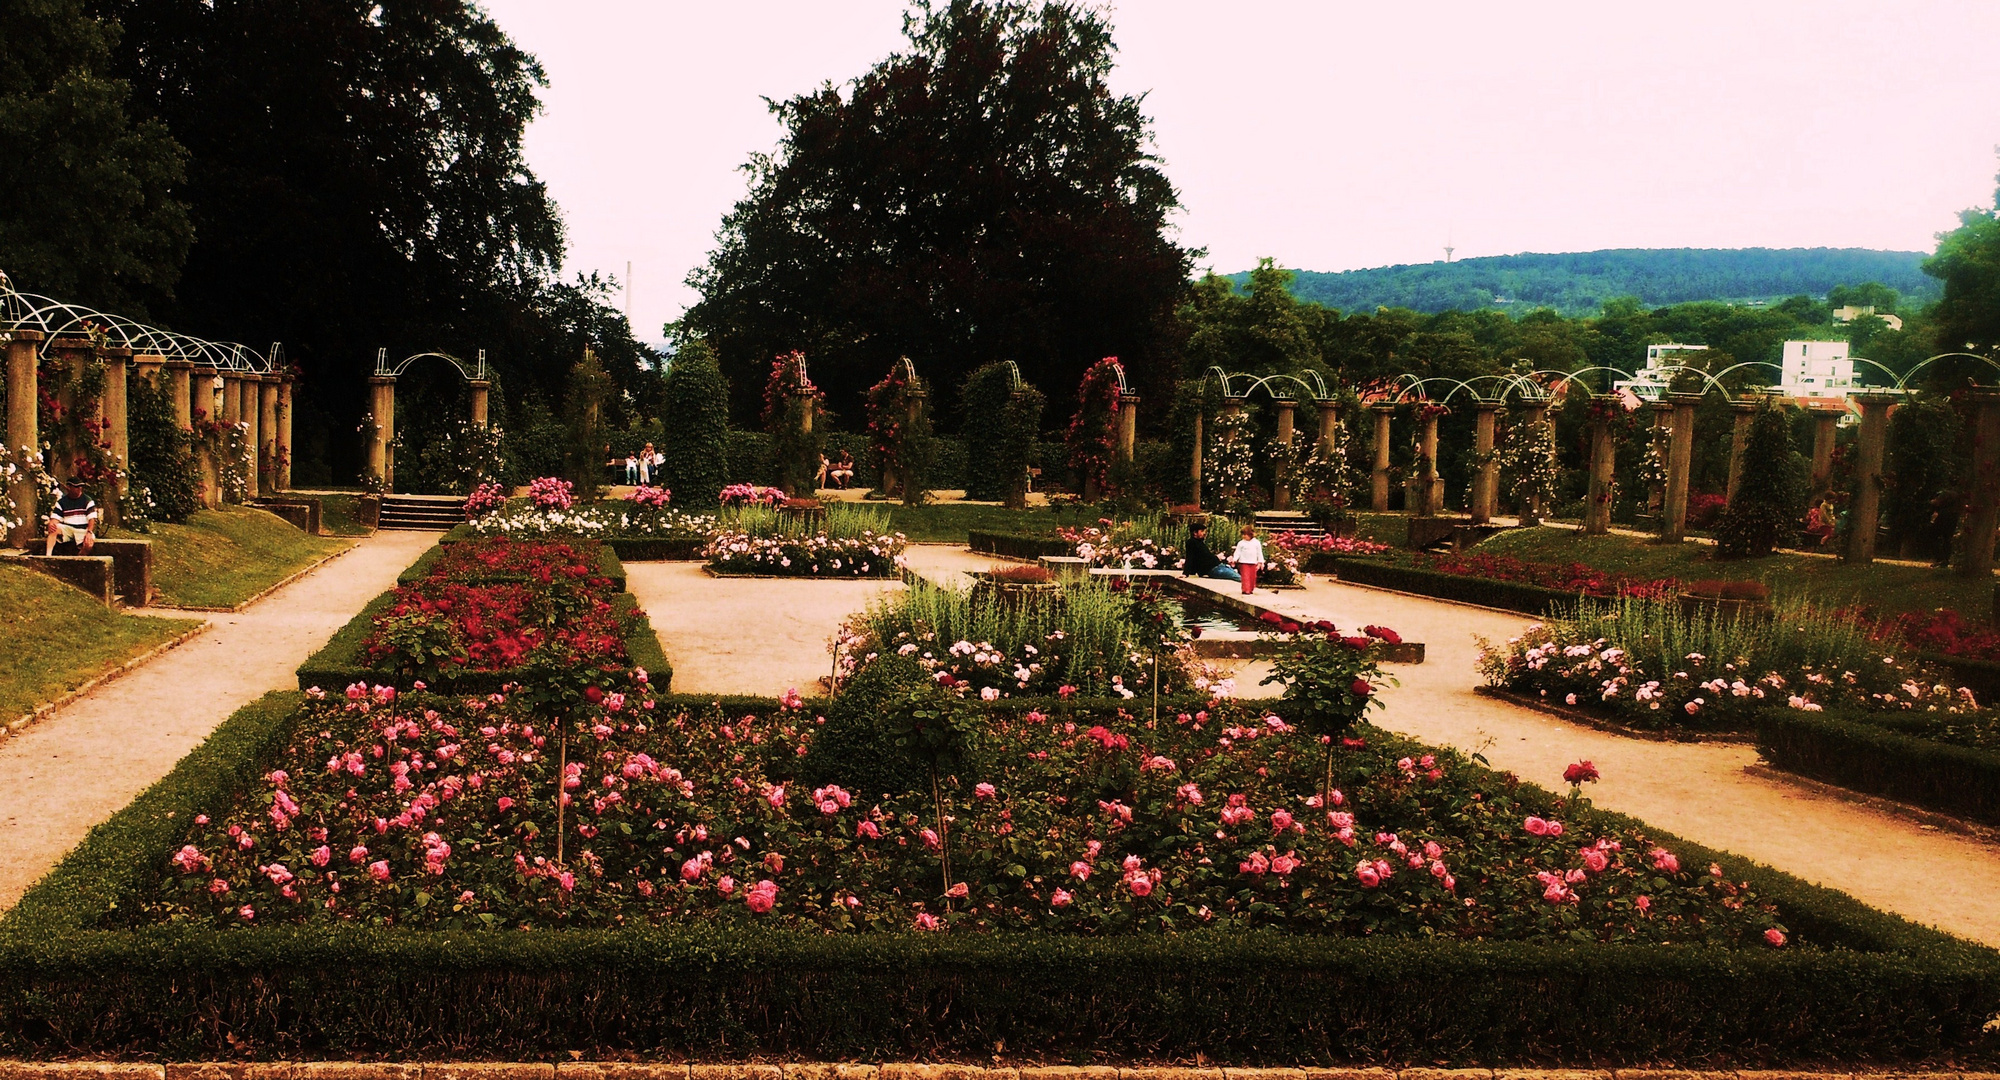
[746,635]
[83,763]
[1698,791]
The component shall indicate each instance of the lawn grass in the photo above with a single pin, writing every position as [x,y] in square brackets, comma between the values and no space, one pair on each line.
[948,523]
[1885,588]
[54,637]
[339,516]
[221,558]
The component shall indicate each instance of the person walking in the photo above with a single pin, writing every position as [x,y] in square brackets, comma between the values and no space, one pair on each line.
[1249,558]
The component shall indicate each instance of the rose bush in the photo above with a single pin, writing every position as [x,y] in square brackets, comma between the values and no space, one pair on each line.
[871,554]
[425,811]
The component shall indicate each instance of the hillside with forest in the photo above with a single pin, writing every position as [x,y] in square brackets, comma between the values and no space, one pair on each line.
[1578,283]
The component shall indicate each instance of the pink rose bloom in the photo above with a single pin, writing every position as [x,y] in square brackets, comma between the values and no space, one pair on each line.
[1285,864]
[1140,885]
[762,896]
[691,869]
[1080,870]
[776,796]
[958,889]
[1555,828]
[567,880]
[868,829]
[1281,820]
[726,885]
[1775,936]
[931,840]
[1644,904]
[218,887]
[1061,898]
[928,921]
[322,855]
[1365,870]
[358,856]
[983,791]
[379,870]
[989,694]
[1665,860]
[1133,862]
[1595,860]
[247,913]
[1536,826]
[504,803]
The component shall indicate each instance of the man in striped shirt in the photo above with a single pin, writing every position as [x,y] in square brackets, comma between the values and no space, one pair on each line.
[72,521]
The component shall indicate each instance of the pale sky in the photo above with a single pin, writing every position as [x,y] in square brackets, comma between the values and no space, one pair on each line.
[1333,136]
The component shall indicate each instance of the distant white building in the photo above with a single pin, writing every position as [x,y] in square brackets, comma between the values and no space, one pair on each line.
[1650,382]
[1816,369]
[1854,311]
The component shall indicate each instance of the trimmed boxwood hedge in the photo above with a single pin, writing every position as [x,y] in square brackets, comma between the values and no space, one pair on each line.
[1878,989]
[608,565]
[1981,676]
[627,548]
[1884,754]
[1017,545]
[1505,595]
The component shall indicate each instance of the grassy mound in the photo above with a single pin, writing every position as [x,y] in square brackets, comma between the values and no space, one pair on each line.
[54,637]
[221,558]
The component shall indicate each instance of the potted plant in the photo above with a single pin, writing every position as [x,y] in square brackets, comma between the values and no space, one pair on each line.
[1726,599]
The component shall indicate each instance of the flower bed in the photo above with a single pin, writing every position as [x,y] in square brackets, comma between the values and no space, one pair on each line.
[472,616]
[1570,579]
[691,961]
[1649,665]
[870,555]
[635,531]
[1947,763]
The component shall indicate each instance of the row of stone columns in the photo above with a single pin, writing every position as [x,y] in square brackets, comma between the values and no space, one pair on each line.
[261,401]
[1281,495]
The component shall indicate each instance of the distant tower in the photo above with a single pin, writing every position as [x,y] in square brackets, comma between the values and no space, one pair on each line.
[1448,249]
[628,290]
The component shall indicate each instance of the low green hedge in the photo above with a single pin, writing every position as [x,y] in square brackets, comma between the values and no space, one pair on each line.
[1982,677]
[1884,754]
[1506,595]
[73,982]
[1017,545]
[608,566]
[658,548]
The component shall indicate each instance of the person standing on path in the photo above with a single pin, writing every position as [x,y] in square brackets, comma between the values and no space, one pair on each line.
[1249,558]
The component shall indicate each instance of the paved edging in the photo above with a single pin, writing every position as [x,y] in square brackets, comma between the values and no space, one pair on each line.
[616,1070]
[269,589]
[154,653]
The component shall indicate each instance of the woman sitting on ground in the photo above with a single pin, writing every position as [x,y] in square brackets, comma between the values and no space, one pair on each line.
[1198,561]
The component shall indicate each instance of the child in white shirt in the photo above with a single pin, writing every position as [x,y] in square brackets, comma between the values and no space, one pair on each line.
[1249,558]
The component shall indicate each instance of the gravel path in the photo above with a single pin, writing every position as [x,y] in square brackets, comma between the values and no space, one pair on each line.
[84,762]
[1699,791]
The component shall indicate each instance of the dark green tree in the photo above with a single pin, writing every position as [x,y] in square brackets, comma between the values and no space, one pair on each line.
[1771,499]
[981,195]
[1922,486]
[1001,427]
[584,447]
[1967,262]
[696,408]
[355,179]
[90,214]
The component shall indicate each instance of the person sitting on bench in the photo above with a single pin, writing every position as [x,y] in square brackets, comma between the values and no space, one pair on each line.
[1201,562]
[72,521]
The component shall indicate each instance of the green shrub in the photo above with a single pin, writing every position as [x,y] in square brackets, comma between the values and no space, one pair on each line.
[1901,756]
[1771,499]
[1000,427]
[1505,595]
[162,455]
[696,397]
[1920,497]
[854,749]
[749,458]
[1016,545]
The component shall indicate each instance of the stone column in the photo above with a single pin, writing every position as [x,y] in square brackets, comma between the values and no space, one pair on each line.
[1128,426]
[116,411]
[1195,470]
[1532,413]
[1982,515]
[24,427]
[481,388]
[1663,417]
[1486,482]
[267,432]
[71,352]
[147,366]
[1824,421]
[914,408]
[382,407]
[1281,494]
[1742,411]
[251,386]
[1680,462]
[1329,425]
[285,433]
[178,392]
[1431,490]
[232,399]
[1866,510]
[1379,479]
[1603,457]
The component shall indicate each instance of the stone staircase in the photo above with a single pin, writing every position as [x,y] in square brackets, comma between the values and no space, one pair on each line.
[1293,521]
[427,512]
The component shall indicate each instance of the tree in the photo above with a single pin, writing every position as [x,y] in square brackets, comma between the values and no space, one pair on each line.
[1002,424]
[1922,486]
[355,179]
[1770,500]
[982,195]
[696,396]
[1263,331]
[1967,262]
[91,214]
[583,422]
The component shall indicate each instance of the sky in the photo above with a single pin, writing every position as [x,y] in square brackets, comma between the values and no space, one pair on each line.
[1332,135]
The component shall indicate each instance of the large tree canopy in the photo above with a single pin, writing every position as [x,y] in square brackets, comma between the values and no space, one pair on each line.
[87,210]
[980,196]
[356,180]
[1968,263]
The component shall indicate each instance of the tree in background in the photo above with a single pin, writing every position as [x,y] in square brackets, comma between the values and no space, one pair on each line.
[584,447]
[91,214]
[981,195]
[1771,499]
[1001,427]
[1968,263]
[1262,331]
[696,396]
